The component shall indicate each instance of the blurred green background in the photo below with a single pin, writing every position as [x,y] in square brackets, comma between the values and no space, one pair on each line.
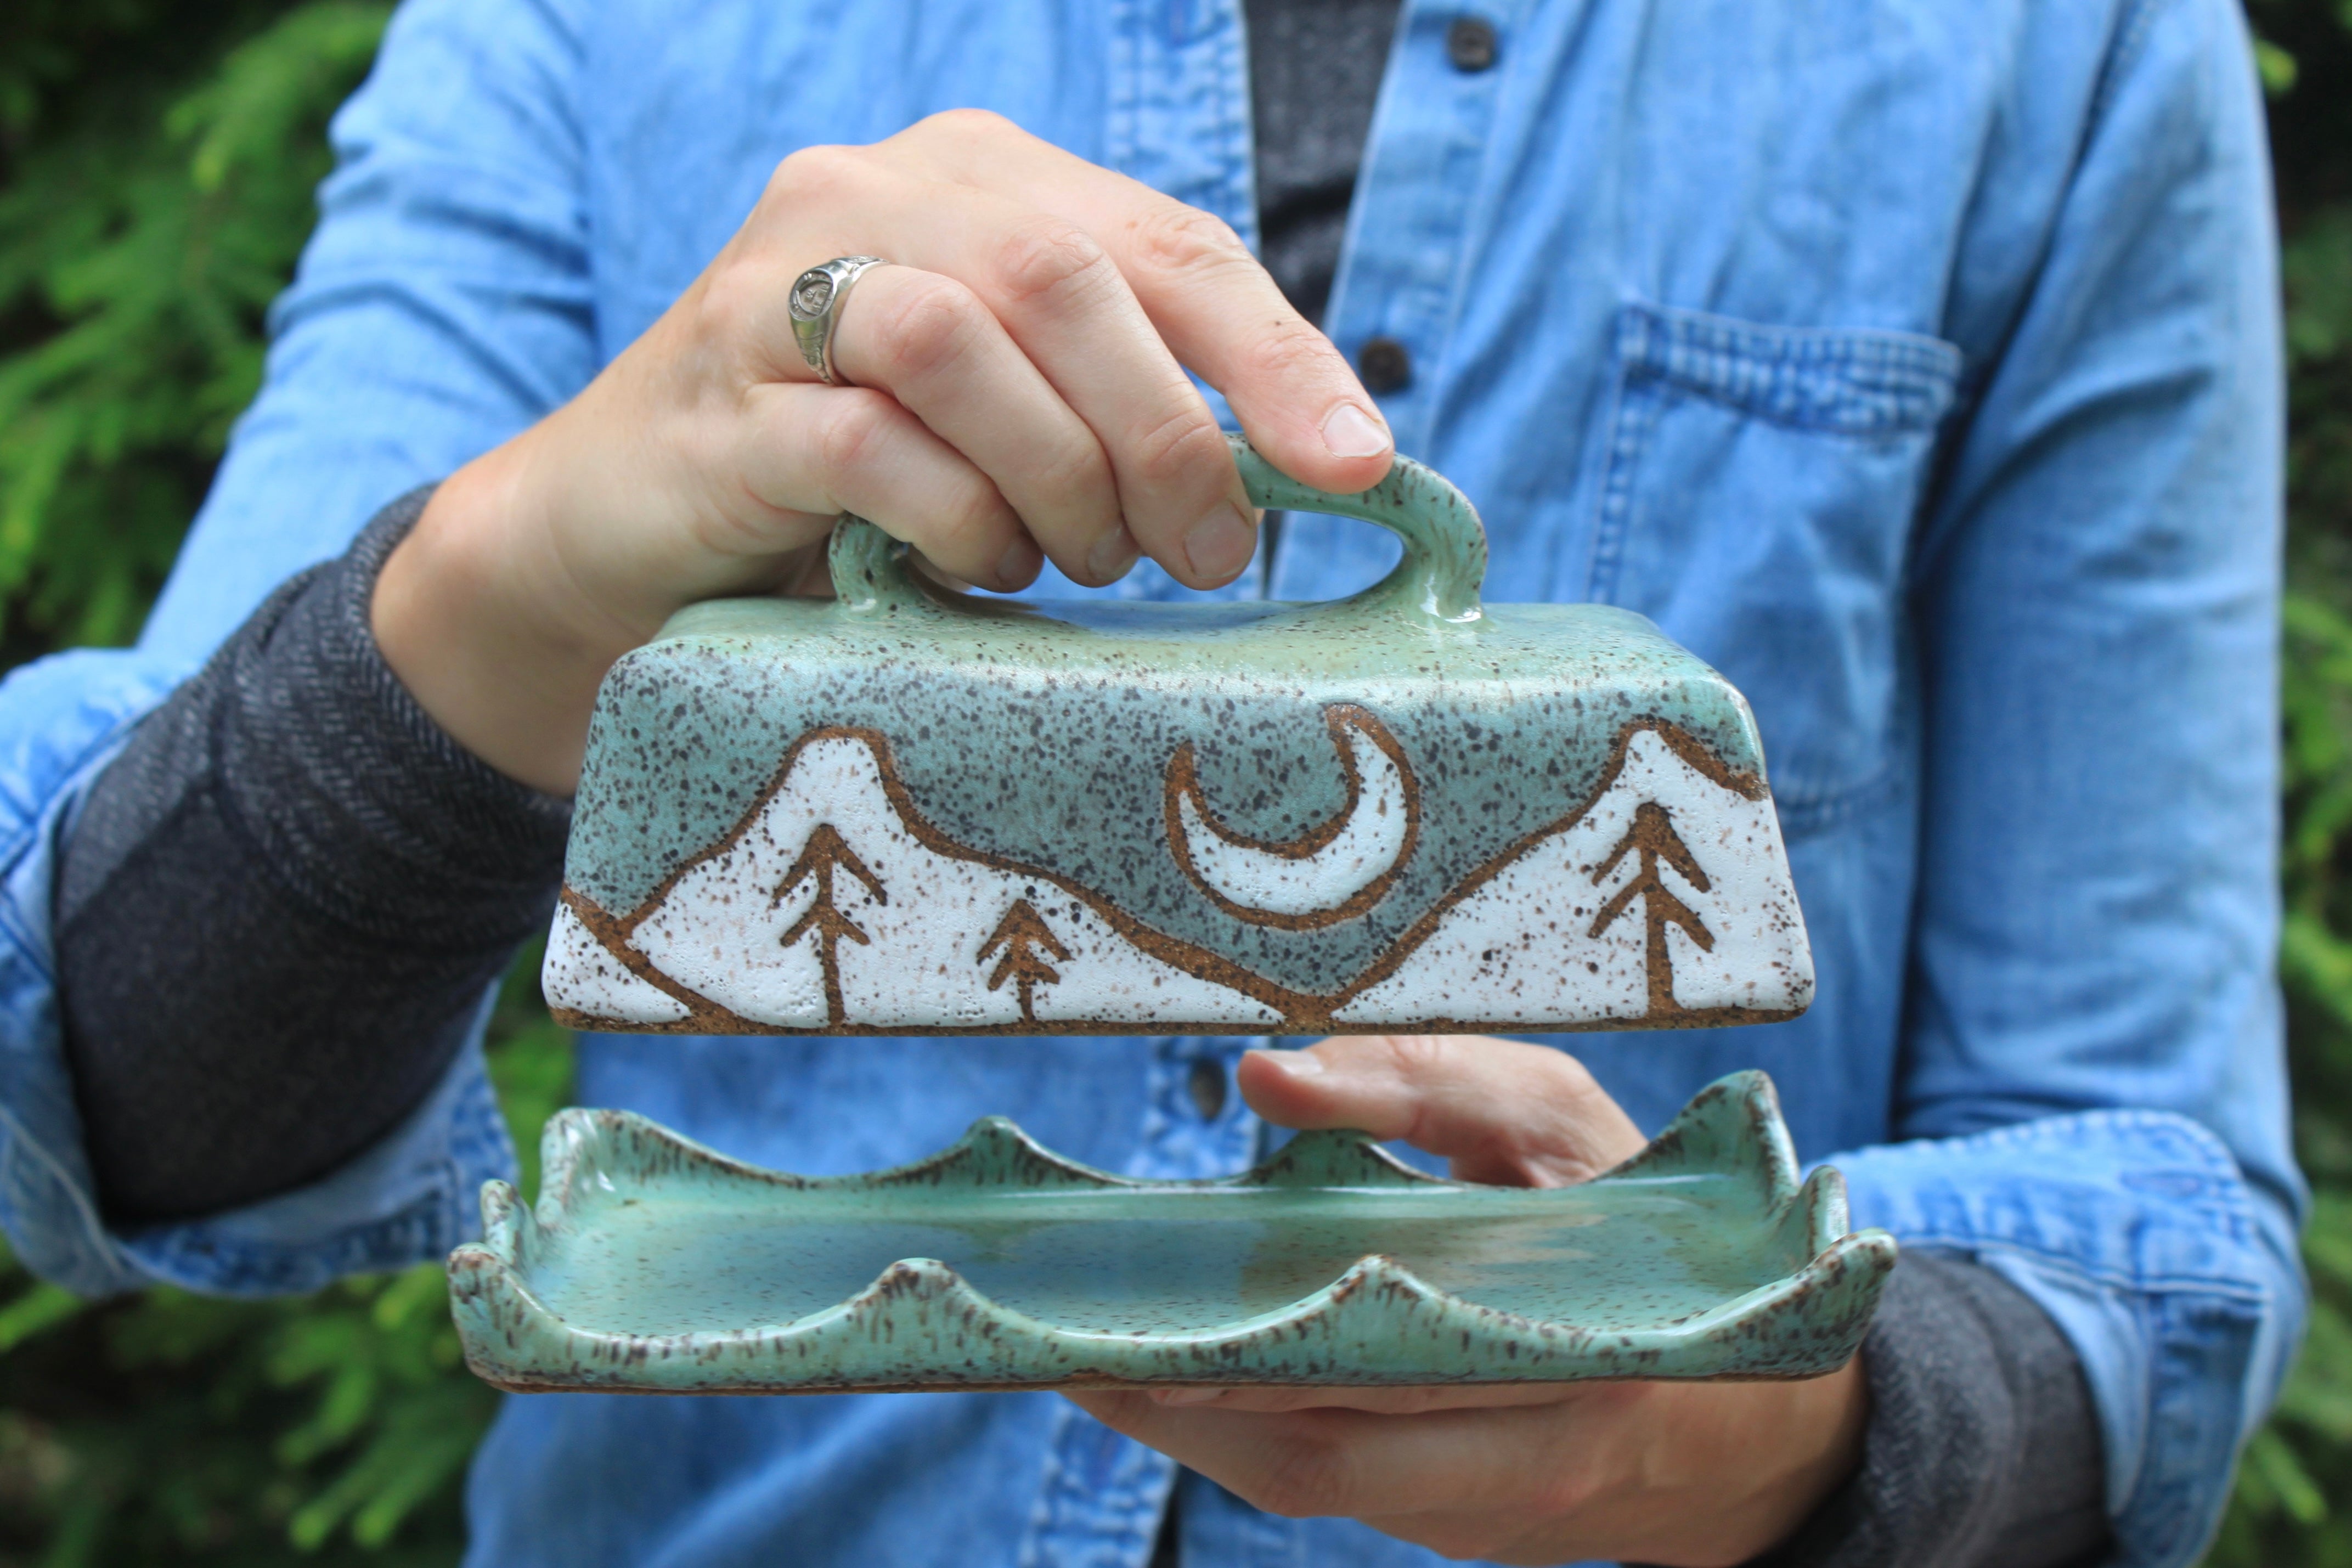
[156,163]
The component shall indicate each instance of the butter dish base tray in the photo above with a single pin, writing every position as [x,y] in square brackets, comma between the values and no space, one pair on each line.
[653,1265]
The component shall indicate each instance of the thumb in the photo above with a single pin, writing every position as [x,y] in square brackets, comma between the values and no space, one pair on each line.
[1502,1110]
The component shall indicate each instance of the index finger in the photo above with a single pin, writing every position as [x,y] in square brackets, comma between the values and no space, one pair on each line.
[1502,1110]
[1216,308]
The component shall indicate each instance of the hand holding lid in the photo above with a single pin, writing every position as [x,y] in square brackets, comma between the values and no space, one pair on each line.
[1444,543]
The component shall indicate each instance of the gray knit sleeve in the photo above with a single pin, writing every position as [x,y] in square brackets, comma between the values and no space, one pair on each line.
[282,905]
[1983,1448]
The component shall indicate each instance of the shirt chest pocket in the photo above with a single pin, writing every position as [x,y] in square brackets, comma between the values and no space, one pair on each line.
[1759,489]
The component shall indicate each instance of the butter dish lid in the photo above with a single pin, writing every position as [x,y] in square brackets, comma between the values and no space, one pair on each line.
[907,810]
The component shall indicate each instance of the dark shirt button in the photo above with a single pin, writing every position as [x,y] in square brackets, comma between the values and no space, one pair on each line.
[1470,43]
[1207,1083]
[1383,364]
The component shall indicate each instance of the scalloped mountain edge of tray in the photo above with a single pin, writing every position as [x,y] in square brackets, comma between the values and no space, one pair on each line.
[920,1325]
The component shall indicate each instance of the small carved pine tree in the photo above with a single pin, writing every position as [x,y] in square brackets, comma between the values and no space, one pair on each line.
[1652,838]
[824,853]
[1019,935]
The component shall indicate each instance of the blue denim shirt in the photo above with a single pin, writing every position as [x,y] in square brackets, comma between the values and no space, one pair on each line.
[1916,365]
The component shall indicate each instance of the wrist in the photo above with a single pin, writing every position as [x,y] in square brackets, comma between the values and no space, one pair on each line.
[493,641]
[1825,1435]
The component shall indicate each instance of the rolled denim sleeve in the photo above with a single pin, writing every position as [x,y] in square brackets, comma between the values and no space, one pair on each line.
[410,1196]
[2093,1100]
[443,304]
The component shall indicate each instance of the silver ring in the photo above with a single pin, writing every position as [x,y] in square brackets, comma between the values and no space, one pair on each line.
[817,296]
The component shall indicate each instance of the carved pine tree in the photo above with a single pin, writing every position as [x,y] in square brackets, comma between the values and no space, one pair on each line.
[1019,935]
[1652,838]
[823,854]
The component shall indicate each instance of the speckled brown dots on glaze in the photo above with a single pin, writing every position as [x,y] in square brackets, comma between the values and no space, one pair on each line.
[1039,744]
[653,1265]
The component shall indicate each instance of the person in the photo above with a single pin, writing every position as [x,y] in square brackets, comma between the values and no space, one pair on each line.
[1917,367]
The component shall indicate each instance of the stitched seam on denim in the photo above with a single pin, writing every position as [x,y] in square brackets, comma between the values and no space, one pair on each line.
[1909,359]
[2195,1136]
[1122,120]
[1234,128]
[2232,1207]
[1244,152]
[2130,37]
[1812,813]
[1631,415]
[2221,1287]
[1457,288]
[2176,1134]
[430,1223]
[413,1233]
[1847,412]
[20,1145]
[1861,383]
[15,932]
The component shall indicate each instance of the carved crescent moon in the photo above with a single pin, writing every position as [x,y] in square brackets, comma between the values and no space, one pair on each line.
[1333,872]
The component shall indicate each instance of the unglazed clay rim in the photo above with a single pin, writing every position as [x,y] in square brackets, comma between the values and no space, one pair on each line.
[1803,1324]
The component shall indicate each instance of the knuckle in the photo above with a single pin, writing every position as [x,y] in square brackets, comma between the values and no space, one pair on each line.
[1077,468]
[850,430]
[928,325]
[1047,258]
[1567,1491]
[814,172]
[963,124]
[965,529]
[1288,351]
[1181,443]
[1419,1056]
[1178,238]
[727,304]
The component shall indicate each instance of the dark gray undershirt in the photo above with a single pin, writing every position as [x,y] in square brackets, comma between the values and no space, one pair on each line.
[1315,76]
[282,904]
[1983,1445]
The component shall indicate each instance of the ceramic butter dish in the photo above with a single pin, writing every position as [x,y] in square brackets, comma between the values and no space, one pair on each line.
[910,811]
[652,1265]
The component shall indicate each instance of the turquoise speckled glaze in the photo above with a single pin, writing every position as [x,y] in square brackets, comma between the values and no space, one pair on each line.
[652,1265]
[907,810]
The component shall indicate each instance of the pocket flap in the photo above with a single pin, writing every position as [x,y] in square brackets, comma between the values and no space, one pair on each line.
[1845,381]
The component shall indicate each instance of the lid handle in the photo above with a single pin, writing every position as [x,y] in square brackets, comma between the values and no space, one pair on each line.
[1444,543]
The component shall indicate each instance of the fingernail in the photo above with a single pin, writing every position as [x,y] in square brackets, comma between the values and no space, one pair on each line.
[1349,432]
[1189,1396]
[1220,544]
[1113,554]
[1298,1064]
[1018,564]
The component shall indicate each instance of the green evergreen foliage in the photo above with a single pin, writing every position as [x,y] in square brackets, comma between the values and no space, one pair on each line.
[156,163]
[2293,1502]
[332,1428]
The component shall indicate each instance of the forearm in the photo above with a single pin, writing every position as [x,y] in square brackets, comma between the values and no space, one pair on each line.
[1983,1445]
[279,909]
